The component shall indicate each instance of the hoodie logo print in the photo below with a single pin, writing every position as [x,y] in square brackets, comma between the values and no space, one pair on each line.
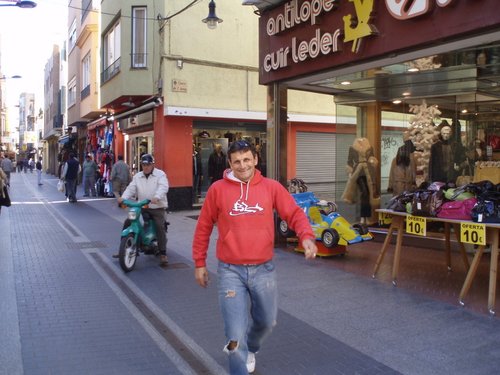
[241,208]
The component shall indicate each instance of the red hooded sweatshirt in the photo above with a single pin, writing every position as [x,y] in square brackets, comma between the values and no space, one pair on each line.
[245,220]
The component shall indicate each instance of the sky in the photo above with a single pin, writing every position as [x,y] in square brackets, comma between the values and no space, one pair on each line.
[26,40]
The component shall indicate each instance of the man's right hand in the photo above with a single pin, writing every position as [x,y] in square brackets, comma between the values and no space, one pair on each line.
[120,200]
[201,276]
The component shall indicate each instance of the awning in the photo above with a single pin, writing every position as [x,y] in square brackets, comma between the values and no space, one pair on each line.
[101,121]
[52,133]
[143,108]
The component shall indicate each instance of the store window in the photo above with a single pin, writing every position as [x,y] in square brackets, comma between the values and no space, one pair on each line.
[207,135]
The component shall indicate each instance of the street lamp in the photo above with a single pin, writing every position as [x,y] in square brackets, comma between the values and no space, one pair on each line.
[20,4]
[212,20]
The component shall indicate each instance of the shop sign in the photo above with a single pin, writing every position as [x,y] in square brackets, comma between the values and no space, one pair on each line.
[322,42]
[179,85]
[306,36]
[406,9]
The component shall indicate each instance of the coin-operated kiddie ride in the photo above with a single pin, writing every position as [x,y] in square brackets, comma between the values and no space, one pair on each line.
[333,232]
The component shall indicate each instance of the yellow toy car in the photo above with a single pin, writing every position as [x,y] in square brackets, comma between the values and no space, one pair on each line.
[328,225]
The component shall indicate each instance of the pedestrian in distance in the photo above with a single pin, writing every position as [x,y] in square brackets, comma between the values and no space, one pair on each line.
[89,169]
[31,165]
[242,206]
[38,167]
[69,174]
[19,165]
[6,165]
[120,176]
[151,183]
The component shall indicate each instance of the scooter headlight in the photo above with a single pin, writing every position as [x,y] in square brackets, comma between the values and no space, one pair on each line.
[132,215]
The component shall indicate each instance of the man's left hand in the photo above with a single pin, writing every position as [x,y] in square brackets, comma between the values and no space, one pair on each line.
[310,248]
[155,200]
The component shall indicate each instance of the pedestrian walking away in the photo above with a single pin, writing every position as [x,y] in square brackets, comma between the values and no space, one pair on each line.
[38,167]
[89,169]
[152,184]
[120,176]
[70,172]
[242,205]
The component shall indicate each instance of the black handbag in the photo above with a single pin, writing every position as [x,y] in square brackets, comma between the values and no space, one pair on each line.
[5,199]
[487,208]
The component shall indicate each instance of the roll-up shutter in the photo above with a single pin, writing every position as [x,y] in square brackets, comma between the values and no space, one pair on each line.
[316,163]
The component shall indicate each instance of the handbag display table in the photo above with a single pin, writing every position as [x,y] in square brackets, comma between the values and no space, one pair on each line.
[492,233]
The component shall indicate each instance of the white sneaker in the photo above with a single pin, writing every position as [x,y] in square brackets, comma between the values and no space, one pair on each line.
[251,362]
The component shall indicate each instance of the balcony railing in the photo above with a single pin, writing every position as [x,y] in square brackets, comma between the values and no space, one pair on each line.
[139,60]
[111,71]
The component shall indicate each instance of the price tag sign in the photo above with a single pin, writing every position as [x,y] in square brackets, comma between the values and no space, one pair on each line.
[473,233]
[384,218]
[416,225]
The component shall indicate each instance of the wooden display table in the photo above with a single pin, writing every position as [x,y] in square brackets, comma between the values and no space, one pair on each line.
[492,233]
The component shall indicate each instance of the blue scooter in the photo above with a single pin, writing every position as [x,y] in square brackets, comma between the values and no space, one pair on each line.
[138,236]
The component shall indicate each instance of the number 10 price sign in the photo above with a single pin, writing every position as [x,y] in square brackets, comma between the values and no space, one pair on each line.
[416,225]
[473,233]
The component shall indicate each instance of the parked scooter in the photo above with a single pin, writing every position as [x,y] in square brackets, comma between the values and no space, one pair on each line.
[138,236]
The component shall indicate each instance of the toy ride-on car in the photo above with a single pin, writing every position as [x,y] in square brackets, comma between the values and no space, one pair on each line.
[328,225]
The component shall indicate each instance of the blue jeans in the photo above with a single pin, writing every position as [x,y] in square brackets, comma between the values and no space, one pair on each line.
[244,289]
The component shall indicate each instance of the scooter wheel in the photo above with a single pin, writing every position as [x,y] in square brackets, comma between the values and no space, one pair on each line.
[128,253]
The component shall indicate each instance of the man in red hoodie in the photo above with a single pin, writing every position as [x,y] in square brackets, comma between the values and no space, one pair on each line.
[242,205]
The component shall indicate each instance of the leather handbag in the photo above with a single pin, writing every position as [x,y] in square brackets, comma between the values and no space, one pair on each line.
[459,210]
[487,208]
[398,202]
[426,202]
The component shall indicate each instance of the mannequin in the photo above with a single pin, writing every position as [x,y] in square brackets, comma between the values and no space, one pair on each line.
[403,170]
[446,157]
[361,164]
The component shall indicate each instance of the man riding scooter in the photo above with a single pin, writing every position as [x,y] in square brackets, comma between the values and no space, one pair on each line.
[152,184]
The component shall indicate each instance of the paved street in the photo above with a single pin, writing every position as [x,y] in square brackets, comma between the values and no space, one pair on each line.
[67,308]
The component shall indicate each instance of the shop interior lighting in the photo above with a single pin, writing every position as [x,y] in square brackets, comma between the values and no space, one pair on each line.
[413,70]
[406,93]
[212,20]
[345,83]
[396,101]
[464,110]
